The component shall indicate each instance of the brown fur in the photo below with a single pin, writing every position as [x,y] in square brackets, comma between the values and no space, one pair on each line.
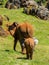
[29,44]
[21,31]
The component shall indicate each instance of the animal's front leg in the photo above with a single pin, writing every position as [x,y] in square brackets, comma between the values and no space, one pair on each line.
[15,42]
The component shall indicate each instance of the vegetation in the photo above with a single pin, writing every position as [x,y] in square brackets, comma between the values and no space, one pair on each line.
[41,53]
[40,0]
[4,1]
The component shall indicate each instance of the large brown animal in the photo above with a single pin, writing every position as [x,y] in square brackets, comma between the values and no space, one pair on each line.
[29,44]
[19,32]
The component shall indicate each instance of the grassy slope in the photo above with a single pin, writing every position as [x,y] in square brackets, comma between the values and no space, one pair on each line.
[41,53]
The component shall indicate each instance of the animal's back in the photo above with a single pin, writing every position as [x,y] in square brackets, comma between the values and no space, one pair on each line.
[29,42]
[26,29]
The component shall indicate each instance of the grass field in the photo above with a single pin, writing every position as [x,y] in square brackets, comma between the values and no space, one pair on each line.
[41,53]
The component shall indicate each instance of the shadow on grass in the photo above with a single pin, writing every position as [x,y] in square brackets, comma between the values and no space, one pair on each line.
[23,58]
[7,50]
[13,51]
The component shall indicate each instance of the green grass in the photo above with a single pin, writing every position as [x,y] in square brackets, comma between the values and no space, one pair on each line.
[41,53]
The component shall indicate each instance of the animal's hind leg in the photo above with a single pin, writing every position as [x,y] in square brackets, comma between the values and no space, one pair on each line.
[23,46]
[27,55]
[31,53]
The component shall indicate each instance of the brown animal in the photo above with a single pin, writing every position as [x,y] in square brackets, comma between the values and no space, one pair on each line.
[29,44]
[19,32]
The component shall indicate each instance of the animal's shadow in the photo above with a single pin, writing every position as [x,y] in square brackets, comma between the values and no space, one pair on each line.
[23,58]
[7,50]
[18,52]
[11,51]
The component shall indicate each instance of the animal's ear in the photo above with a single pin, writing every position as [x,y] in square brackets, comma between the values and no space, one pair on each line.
[15,24]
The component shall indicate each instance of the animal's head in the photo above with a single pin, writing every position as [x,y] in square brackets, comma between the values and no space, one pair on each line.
[12,28]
